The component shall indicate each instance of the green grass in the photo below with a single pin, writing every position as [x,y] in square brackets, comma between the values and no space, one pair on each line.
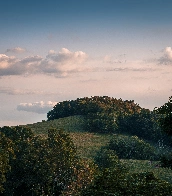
[69,124]
[138,166]
[89,143]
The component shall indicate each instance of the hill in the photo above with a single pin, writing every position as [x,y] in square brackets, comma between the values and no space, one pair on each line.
[95,104]
[88,144]
[110,138]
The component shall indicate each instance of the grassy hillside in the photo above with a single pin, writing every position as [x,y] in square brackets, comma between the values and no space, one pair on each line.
[69,124]
[89,143]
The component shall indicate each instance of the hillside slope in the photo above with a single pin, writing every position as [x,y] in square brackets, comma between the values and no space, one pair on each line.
[89,143]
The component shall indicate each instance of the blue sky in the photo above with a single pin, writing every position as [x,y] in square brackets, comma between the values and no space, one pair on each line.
[57,50]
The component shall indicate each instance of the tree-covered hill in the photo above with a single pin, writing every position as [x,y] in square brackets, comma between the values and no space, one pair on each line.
[107,146]
[103,114]
[95,104]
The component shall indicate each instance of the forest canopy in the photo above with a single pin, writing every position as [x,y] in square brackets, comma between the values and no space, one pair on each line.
[95,104]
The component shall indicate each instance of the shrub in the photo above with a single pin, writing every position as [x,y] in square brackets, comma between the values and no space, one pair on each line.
[100,122]
[166,160]
[143,124]
[127,147]
[116,182]
[106,158]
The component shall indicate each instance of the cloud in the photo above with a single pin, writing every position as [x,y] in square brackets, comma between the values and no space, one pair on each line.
[66,56]
[166,59]
[31,59]
[10,65]
[63,62]
[6,61]
[16,50]
[36,107]
[10,91]
[60,63]
[108,59]
[130,69]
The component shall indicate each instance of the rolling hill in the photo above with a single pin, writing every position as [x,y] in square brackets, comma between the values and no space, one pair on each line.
[88,144]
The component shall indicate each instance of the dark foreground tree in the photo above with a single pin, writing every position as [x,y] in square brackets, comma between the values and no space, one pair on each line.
[41,165]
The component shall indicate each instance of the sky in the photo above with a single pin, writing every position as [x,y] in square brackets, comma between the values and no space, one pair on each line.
[57,50]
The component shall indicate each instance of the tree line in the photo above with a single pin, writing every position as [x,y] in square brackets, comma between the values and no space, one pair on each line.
[105,114]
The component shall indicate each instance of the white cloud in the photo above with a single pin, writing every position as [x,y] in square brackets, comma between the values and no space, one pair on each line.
[168,52]
[10,65]
[6,61]
[166,59]
[66,56]
[36,107]
[60,63]
[63,62]
[16,50]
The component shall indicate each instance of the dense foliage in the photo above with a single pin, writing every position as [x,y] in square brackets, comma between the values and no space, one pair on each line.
[41,166]
[102,122]
[114,178]
[101,112]
[165,120]
[106,158]
[96,104]
[110,115]
[141,124]
[127,147]
[165,116]
[116,182]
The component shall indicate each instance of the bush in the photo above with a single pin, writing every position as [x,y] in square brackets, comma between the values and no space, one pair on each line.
[166,160]
[143,124]
[127,147]
[116,182]
[100,122]
[106,158]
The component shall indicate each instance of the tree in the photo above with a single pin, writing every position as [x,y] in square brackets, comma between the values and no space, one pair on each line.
[101,122]
[116,182]
[106,158]
[165,119]
[41,165]
[165,116]
[5,151]
[140,123]
[127,147]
